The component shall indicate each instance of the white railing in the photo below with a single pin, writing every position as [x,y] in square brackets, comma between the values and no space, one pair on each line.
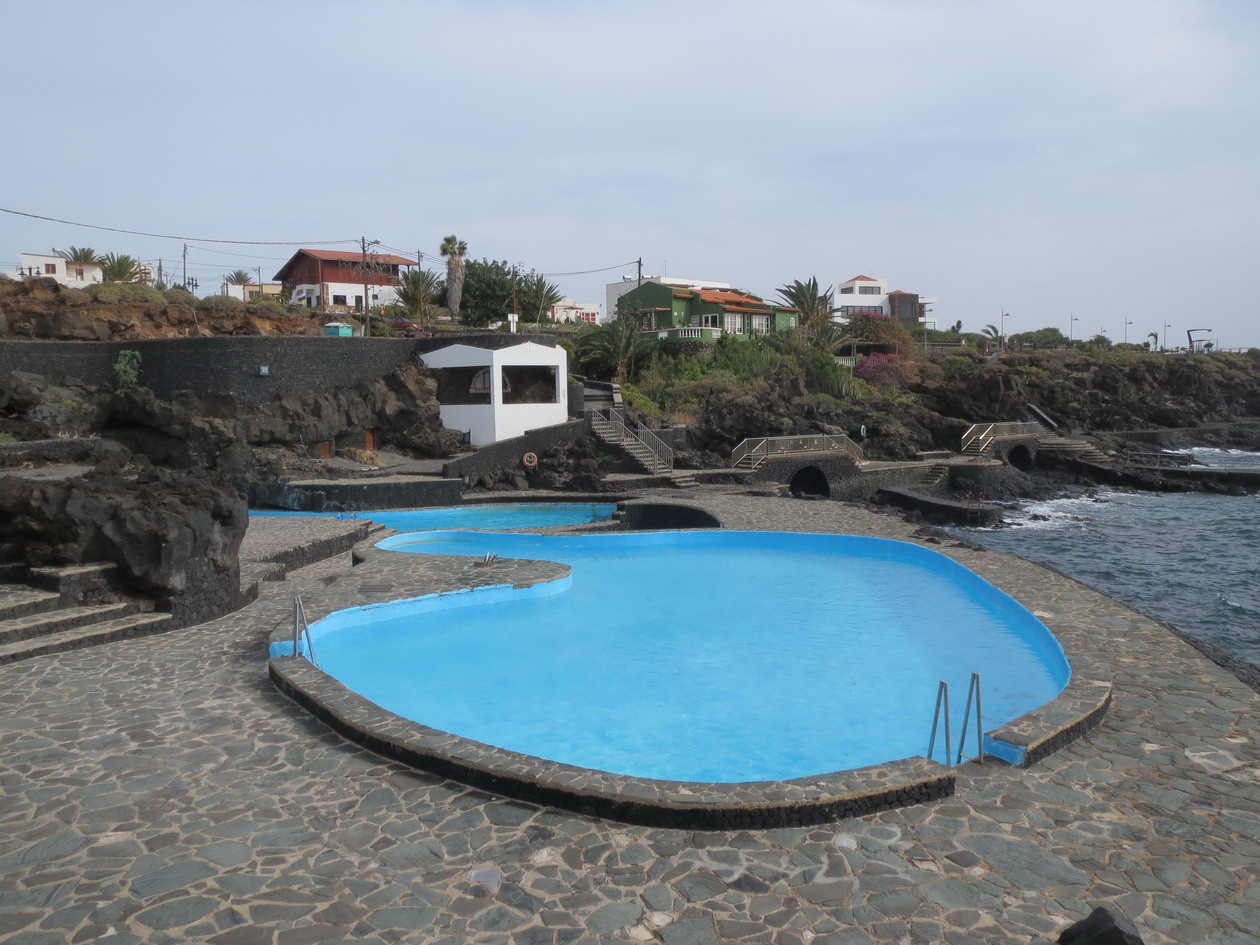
[753,452]
[982,434]
[661,457]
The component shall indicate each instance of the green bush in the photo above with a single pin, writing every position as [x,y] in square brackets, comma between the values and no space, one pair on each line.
[127,369]
[640,402]
[180,296]
[221,305]
[124,292]
[957,368]
[268,308]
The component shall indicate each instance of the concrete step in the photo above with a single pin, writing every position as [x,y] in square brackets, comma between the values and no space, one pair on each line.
[684,481]
[17,629]
[120,628]
[74,582]
[20,600]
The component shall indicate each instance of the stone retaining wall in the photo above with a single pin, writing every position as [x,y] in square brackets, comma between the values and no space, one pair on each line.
[295,365]
[506,454]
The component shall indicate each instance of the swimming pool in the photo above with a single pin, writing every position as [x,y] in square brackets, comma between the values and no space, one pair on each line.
[505,515]
[698,656]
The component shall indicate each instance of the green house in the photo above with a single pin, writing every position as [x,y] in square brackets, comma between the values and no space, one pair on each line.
[674,313]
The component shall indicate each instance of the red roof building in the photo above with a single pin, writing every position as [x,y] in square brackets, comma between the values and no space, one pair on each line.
[335,280]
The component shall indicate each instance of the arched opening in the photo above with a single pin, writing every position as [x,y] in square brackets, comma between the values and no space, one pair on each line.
[810,481]
[1020,457]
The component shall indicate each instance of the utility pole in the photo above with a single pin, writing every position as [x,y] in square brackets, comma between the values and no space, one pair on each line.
[640,270]
[160,271]
[185,265]
[367,299]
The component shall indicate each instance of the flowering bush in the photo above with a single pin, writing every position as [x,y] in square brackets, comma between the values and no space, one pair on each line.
[879,370]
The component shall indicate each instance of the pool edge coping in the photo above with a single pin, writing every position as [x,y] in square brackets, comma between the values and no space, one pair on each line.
[1028,739]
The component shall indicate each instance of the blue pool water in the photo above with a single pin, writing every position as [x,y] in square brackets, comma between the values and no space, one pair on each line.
[488,516]
[699,656]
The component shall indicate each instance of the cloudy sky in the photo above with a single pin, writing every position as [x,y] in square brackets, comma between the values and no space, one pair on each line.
[1047,159]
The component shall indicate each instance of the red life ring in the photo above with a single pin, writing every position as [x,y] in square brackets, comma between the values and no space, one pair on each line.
[529,460]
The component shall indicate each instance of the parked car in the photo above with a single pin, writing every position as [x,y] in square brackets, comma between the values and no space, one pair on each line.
[404,326]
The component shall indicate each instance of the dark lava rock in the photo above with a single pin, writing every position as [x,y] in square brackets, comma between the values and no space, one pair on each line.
[175,536]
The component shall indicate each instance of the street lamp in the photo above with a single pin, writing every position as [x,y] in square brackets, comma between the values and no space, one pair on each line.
[1072,326]
[1002,325]
[1164,345]
[1127,323]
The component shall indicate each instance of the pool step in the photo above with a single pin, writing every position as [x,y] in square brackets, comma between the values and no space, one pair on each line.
[119,628]
[17,629]
[77,582]
[684,480]
[934,474]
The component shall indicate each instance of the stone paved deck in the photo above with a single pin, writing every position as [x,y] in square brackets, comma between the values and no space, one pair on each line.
[161,790]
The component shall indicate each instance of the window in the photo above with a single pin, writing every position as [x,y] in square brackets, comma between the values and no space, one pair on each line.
[50,269]
[339,300]
[358,303]
[869,290]
[529,384]
[846,290]
[761,324]
[711,320]
[734,324]
[78,274]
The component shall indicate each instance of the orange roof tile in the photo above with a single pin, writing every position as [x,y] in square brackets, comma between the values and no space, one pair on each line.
[863,279]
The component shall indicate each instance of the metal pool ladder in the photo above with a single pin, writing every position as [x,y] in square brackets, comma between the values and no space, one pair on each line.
[301,631]
[942,699]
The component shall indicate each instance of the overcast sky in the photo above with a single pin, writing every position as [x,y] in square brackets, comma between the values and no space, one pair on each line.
[1096,158]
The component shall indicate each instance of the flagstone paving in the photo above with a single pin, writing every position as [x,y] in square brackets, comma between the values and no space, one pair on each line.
[161,790]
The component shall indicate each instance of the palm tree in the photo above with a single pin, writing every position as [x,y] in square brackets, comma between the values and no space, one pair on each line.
[119,267]
[617,346]
[79,254]
[454,249]
[538,296]
[415,293]
[805,297]
[239,277]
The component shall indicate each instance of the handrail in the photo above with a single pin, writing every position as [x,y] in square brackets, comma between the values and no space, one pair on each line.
[987,432]
[972,688]
[942,698]
[756,450]
[301,630]
[942,701]
[662,452]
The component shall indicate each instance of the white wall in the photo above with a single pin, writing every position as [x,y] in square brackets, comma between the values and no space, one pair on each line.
[64,271]
[385,294]
[490,423]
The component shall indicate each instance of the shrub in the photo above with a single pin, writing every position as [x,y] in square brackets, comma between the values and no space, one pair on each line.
[180,296]
[640,402]
[268,308]
[879,370]
[127,369]
[957,368]
[124,292]
[221,305]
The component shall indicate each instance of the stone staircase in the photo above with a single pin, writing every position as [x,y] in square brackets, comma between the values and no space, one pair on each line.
[59,609]
[683,480]
[1074,449]
[616,434]
[934,475]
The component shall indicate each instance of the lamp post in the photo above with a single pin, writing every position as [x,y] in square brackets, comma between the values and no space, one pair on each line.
[1164,345]
[1002,325]
[1072,320]
[1127,323]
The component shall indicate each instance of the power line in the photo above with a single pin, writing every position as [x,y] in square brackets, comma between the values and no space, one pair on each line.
[164,236]
[587,272]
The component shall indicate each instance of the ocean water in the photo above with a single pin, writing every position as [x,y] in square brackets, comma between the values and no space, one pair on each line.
[1191,559]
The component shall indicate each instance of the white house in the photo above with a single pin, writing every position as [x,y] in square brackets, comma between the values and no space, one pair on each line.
[331,279]
[251,291]
[496,394]
[863,295]
[615,290]
[571,310]
[76,275]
